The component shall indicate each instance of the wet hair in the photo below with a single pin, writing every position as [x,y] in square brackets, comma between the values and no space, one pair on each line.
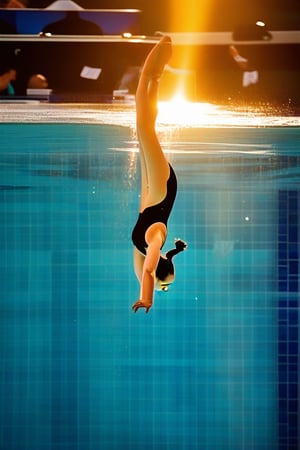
[165,266]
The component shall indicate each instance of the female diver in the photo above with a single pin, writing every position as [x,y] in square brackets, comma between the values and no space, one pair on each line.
[158,186]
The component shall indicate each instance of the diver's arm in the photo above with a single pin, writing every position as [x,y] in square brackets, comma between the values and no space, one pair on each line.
[154,240]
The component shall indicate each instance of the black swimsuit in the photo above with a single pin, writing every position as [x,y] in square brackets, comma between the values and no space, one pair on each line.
[153,214]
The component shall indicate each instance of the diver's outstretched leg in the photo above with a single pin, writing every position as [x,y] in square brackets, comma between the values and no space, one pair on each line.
[146,94]
[155,168]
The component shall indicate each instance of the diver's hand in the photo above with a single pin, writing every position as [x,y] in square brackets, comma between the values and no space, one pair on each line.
[141,304]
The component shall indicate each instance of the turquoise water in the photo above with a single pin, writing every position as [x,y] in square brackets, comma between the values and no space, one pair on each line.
[214,365]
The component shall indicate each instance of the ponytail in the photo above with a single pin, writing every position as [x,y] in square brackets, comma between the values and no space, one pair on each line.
[180,246]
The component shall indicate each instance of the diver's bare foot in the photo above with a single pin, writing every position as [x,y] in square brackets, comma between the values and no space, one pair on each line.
[157,58]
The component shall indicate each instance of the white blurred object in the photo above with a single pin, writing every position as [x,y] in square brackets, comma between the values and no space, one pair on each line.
[38,92]
[91,73]
[250,78]
[66,5]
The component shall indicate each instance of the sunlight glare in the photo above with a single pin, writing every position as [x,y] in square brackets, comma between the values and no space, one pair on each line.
[191,16]
[181,112]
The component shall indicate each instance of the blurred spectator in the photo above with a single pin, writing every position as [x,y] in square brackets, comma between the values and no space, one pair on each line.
[13,4]
[73,24]
[37,81]
[5,27]
[6,79]
[250,74]
[8,76]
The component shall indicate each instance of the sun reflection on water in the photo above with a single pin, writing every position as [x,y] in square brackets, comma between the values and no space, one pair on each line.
[181,112]
[176,113]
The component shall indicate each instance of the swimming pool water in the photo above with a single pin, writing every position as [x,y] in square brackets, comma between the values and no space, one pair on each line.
[215,364]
